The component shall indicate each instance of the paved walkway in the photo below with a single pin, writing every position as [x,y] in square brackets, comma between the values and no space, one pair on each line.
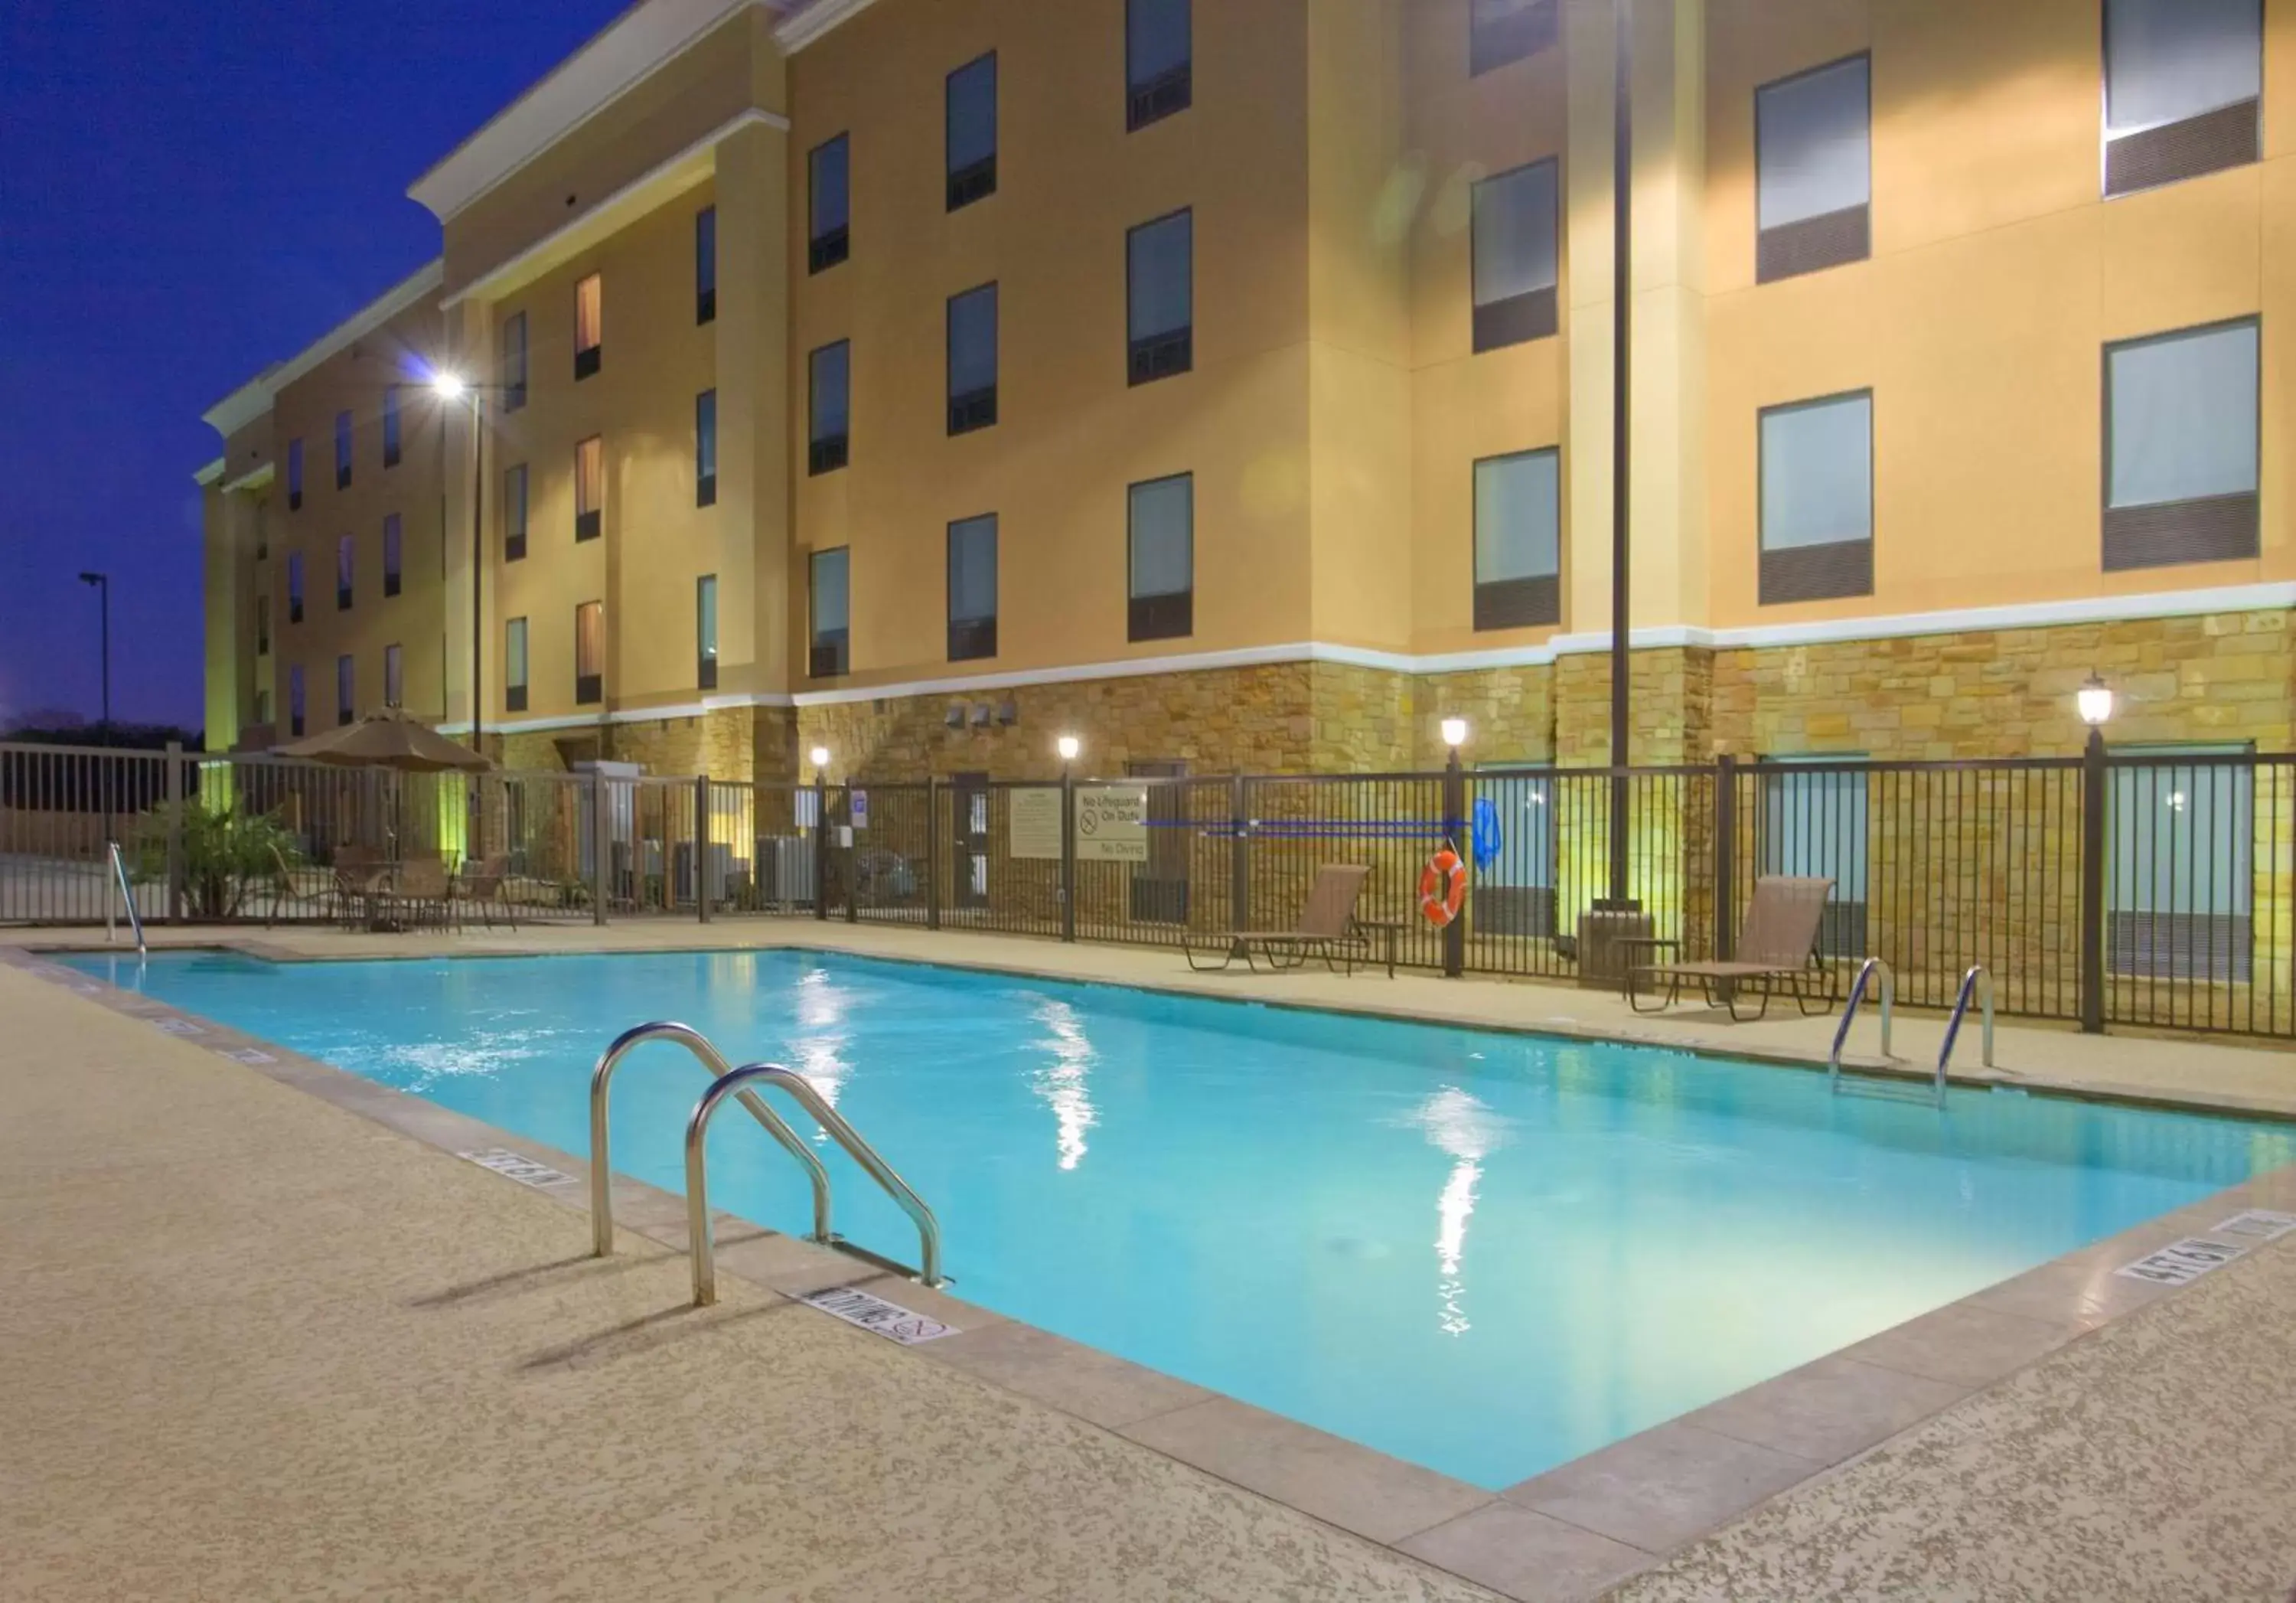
[252,1346]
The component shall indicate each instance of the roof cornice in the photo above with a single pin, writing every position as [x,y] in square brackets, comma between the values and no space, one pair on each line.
[802,27]
[210,474]
[242,406]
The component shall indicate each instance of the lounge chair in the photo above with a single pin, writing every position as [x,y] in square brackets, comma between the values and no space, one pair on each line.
[1777,945]
[480,885]
[1326,929]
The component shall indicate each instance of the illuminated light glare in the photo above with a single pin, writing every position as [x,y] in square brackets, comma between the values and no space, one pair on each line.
[2094,700]
[449,386]
[1468,1132]
[820,1046]
[1069,747]
[1064,1085]
[820,755]
[1454,732]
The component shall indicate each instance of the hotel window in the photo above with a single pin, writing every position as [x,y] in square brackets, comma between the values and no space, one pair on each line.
[295,701]
[294,586]
[972,588]
[342,451]
[343,689]
[972,359]
[2180,880]
[346,556]
[589,326]
[831,204]
[1158,61]
[513,361]
[390,425]
[1161,294]
[589,487]
[263,707]
[1814,827]
[1499,31]
[830,589]
[294,474]
[1161,562]
[1515,259]
[705,631]
[514,665]
[1518,539]
[1818,499]
[263,625]
[705,265]
[589,654]
[391,556]
[971,132]
[1813,145]
[394,677]
[2184,88]
[831,391]
[514,513]
[2180,442]
[705,448]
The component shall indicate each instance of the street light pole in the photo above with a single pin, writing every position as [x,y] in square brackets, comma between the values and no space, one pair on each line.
[1621,441]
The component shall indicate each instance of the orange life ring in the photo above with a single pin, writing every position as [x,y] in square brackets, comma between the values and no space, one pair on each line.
[1442,887]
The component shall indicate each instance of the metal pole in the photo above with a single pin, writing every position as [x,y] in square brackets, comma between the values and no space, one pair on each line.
[701,847]
[478,590]
[1454,811]
[1725,856]
[174,761]
[601,847]
[1239,856]
[2092,885]
[849,844]
[103,638]
[1068,854]
[820,847]
[1621,441]
[932,851]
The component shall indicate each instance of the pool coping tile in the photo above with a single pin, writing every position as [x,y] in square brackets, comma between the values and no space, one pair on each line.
[1558,1537]
[1340,1481]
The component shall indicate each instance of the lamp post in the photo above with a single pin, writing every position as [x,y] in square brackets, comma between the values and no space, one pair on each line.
[1068,745]
[820,756]
[102,584]
[1455,809]
[1623,288]
[2094,702]
[451,387]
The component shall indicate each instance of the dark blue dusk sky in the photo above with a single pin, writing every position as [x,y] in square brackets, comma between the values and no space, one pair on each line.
[187,193]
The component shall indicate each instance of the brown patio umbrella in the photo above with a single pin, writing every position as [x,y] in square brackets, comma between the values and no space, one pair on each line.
[389,740]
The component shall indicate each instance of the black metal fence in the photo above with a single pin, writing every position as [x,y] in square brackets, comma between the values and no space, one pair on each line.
[2155,888]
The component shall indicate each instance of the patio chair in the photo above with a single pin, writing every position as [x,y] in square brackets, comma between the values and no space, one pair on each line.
[1326,929]
[1777,945]
[482,885]
[358,873]
[282,886]
[417,894]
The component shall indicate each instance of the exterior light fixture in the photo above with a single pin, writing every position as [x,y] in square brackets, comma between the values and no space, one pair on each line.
[1069,746]
[1454,732]
[2094,700]
[820,755]
[449,386]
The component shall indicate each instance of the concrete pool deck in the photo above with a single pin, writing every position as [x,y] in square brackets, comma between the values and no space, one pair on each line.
[256,1348]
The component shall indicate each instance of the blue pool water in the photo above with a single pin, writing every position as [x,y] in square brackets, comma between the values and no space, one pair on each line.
[1484,1254]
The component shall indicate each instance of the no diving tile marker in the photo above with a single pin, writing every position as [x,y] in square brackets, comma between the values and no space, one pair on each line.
[2257,1226]
[249,1055]
[178,1026]
[874,1313]
[2181,1262]
[524,1170]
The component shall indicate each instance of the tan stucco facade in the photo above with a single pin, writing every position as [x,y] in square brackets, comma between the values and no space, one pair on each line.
[1332,417]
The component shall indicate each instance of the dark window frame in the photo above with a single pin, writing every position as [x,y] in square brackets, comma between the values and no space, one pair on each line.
[977,180]
[1532,602]
[2156,157]
[297,700]
[294,474]
[346,688]
[394,556]
[514,388]
[514,690]
[826,249]
[1844,569]
[589,689]
[1172,615]
[705,266]
[346,448]
[973,409]
[973,640]
[346,570]
[829,653]
[2229,527]
[1532,29]
[590,524]
[514,531]
[1834,239]
[827,453]
[390,426]
[1151,358]
[590,359]
[294,586]
[1149,102]
[705,642]
[705,483]
[1533,315]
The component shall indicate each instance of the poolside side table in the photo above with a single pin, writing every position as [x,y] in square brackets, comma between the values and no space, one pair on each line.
[1388,928]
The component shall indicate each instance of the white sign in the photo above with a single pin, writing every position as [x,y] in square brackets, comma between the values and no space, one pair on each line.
[2256,1225]
[889,1320]
[248,1055]
[178,1026]
[2182,1261]
[1035,824]
[859,811]
[1111,824]
[524,1170]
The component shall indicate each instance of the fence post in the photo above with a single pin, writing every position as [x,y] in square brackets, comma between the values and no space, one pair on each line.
[2092,885]
[1455,813]
[701,847]
[1239,855]
[1725,856]
[174,832]
[601,837]
[1068,854]
[932,851]
[850,839]
[820,848]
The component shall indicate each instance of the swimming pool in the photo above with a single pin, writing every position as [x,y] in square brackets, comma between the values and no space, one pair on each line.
[1485,1254]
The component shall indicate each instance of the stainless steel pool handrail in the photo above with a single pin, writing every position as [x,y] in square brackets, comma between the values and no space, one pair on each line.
[697,1179]
[135,920]
[602,1169]
[1978,980]
[1865,971]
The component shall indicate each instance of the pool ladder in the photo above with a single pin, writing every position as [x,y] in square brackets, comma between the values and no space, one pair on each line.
[1976,985]
[730,1083]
